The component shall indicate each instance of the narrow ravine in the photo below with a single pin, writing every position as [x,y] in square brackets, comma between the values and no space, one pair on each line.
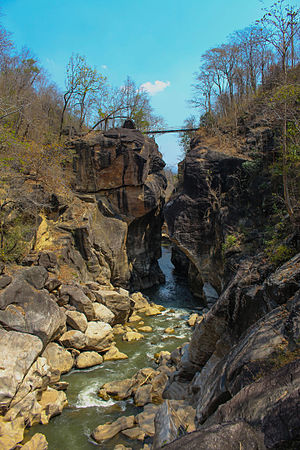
[72,429]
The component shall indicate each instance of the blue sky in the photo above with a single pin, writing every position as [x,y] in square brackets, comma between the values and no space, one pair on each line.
[157,40]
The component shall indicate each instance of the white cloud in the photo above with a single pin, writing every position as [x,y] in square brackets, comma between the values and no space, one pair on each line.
[104,66]
[154,88]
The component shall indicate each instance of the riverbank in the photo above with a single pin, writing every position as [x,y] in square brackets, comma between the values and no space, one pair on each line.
[85,411]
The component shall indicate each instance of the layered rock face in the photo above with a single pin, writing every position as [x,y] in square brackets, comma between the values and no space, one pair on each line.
[215,198]
[121,173]
[241,369]
[110,231]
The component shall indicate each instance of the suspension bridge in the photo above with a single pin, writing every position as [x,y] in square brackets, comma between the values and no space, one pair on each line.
[175,130]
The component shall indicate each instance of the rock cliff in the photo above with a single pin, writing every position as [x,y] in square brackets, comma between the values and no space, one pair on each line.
[216,198]
[111,230]
[240,370]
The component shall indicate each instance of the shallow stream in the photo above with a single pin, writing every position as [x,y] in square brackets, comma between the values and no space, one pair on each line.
[71,430]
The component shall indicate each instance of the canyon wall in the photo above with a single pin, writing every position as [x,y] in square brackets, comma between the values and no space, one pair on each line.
[216,198]
[240,371]
[111,230]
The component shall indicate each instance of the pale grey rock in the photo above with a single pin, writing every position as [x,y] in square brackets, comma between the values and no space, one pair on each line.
[18,351]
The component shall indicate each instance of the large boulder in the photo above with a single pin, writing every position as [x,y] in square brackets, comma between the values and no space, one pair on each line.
[11,433]
[37,442]
[77,320]
[121,305]
[99,336]
[103,314]
[128,184]
[26,307]
[109,430]
[77,298]
[88,359]
[18,351]
[58,358]
[73,339]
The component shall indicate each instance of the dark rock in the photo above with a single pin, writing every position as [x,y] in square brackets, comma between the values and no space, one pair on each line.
[47,260]
[35,276]
[215,195]
[227,436]
[5,280]
[129,124]
[281,285]
[271,403]
[77,298]
[52,284]
[129,185]
[26,309]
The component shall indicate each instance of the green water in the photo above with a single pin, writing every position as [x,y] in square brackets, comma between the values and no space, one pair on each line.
[71,430]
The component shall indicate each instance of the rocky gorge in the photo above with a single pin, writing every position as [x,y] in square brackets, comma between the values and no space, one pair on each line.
[235,384]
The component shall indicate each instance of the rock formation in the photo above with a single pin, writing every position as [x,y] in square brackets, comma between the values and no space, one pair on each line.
[110,231]
[121,172]
[241,369]
[215,197]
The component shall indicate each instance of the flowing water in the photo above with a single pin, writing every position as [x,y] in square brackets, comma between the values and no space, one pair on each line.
[71,430]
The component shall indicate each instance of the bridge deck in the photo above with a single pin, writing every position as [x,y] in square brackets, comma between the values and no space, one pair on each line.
[170,131]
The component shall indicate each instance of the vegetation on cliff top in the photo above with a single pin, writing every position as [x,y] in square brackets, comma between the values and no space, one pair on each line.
[250,85]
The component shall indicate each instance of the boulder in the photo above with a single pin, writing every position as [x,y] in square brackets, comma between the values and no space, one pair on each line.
[145,329]
[134,318]
[152,311]
[145,419]
[52,403]
[162,357]
[119,329]
[99,336]
[109,430]
[172,419]
[11,433]
[103,314]
[77,298]
[88,359]
[77,320]
[158,385]
[35,276]
[119,304]
[113,354]
[73,339]
[169,330]
[58,358]
[135,433]
[140,302]
[24,402]
[25,308]
[130,336]
[118,390]
[37,442]
[143,395]
[18,351]
[193,319]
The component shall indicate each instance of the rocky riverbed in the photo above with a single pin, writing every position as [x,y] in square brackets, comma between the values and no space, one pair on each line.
[86,410]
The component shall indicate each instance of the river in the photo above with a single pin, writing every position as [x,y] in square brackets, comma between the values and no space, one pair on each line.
[71,430]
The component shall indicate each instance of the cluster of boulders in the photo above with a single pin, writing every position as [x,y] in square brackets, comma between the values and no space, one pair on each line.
[47,327]
[146,389]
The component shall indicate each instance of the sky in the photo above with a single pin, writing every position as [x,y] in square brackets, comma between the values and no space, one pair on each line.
[158,43]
